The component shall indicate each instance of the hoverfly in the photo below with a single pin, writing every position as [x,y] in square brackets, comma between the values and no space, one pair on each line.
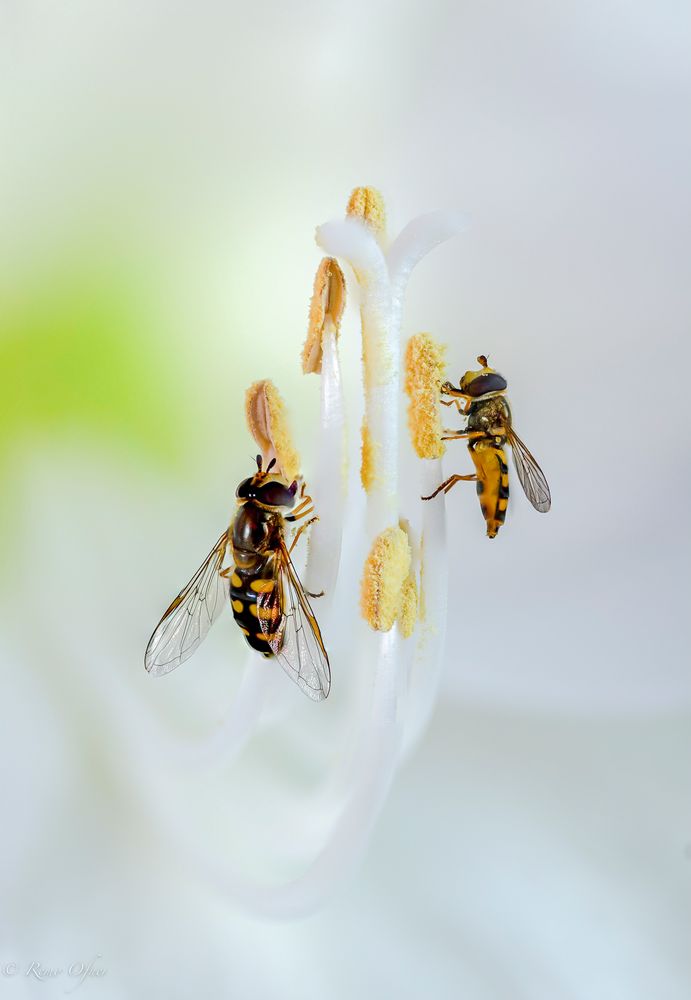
[269,603]
[488,429]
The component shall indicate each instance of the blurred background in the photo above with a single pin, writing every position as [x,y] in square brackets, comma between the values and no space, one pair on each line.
[163,169]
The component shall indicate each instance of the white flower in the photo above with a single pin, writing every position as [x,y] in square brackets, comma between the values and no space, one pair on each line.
[384,684]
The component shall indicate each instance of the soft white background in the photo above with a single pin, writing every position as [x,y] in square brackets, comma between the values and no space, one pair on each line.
[538,843]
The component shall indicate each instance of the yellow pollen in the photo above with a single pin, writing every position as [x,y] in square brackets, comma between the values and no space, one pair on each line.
[407,612]
[366,203]
[386,568]
[326,309]
[368,464]
[424,373]
[268,424]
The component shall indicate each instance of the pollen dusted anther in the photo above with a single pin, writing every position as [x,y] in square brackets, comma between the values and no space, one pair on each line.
[385,573]
[366,203]
[326,310]
[424,368]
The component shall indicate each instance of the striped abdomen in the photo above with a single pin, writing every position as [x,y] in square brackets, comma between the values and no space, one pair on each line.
[245,587]
[492,482]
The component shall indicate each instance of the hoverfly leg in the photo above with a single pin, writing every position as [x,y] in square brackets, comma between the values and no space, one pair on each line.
[449,484]
[447,389]
[468,435]
[462,409]
[302,509]
[298,517]
[300,531]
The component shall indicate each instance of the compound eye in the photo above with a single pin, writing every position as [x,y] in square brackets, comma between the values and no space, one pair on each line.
[245,490]
[276,495]
[492,382]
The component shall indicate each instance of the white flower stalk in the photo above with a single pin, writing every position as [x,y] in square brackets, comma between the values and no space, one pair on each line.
[409,604]
[354,241]
[373,770]
[320,354]
[414,242]
[425,368]
[428,660]
[239,723]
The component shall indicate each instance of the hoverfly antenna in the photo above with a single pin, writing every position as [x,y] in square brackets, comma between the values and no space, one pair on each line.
[483,360]
[259,463]
[270,465]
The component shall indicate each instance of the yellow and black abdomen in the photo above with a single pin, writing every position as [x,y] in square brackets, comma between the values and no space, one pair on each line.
[492,482]
[252,545]
[245,588]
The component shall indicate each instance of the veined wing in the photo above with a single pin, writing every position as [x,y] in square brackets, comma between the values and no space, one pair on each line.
[293,633]
[190,616]
[530,474]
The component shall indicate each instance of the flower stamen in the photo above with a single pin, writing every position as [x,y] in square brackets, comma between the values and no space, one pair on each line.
[326,310]
[386,570]
[268,423]
[424,366]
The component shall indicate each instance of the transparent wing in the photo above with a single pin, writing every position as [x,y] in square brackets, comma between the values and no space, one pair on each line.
[190,616]
[530,474]
[286,618]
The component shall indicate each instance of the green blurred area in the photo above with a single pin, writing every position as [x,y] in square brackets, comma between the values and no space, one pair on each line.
[79,351]
[82,357]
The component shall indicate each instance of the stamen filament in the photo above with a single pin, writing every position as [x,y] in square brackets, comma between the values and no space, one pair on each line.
[354,241]
[428,660]
[329,483]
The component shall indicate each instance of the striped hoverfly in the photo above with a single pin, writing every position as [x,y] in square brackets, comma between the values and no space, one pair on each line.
[481,398]
[269,603]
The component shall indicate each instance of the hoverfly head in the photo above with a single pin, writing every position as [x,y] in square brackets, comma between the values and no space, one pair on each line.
[263,489]
[484,382]
[274,493]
